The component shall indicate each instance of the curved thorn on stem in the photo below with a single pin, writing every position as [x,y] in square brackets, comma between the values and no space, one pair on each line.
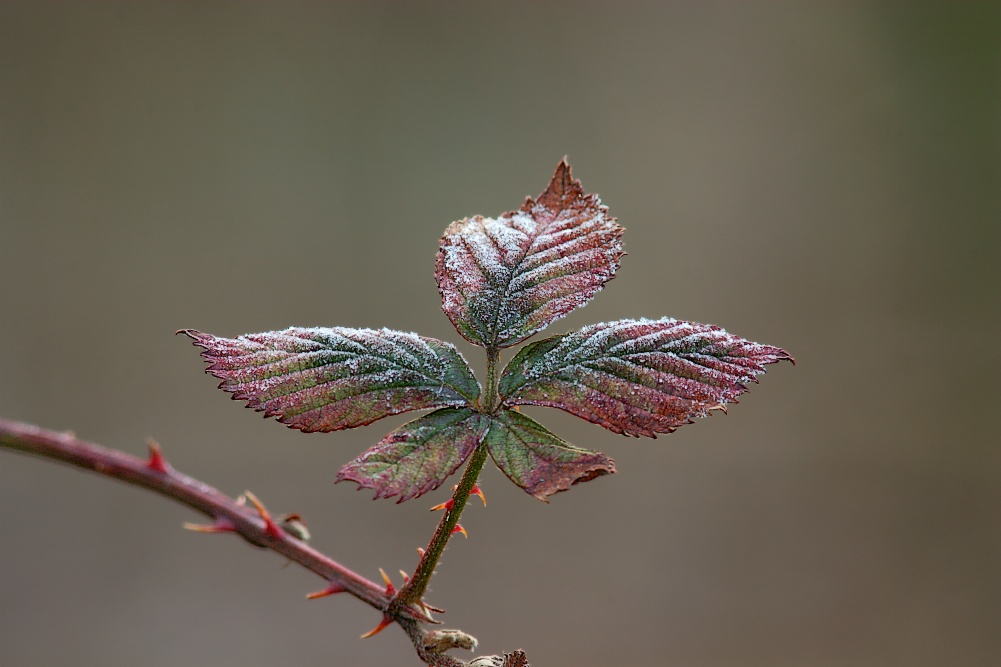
[220,525]
[329,590]
[270,527]
[386,620]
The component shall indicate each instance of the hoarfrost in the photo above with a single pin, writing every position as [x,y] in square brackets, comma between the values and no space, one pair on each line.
[504,279]
[326,379]
[637,377]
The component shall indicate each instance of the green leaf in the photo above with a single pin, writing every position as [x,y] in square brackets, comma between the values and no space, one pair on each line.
[419,456]
[637,377]
[537,460]
[327,379]
[502,280]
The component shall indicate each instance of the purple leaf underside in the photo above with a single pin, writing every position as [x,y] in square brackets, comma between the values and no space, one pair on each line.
[418,456]
[327,379]
[537,460]
[637,377]
[502,280]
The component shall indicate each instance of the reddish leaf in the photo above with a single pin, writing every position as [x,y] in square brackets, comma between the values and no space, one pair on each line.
[539,461]
[636,377]
[418,456]
[331,379]
[502,280]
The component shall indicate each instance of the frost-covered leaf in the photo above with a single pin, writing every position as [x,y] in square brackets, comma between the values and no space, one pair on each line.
[636,377]
[327,379]
[536,459]
[502,280]
[418,456]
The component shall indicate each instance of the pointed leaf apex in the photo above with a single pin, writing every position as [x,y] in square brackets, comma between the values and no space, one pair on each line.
[561,187]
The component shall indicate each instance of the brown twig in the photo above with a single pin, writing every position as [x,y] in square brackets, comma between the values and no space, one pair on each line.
[253,523]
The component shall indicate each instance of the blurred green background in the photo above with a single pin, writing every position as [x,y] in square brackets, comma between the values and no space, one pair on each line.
[822,177]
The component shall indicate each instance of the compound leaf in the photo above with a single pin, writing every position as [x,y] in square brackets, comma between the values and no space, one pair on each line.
[637,377]
[327,379]
[420,455]
[502,280]
[537,460]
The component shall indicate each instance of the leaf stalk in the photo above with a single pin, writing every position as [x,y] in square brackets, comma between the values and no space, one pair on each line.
[414,590]
[493,380]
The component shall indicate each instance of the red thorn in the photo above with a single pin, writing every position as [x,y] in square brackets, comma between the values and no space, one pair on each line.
[477,491]
[386,620]
[156,462]
[447,505]
[459,529]
[420,551]
[220,525]
[329,590]
[406,577]
[390,588]
[270,527]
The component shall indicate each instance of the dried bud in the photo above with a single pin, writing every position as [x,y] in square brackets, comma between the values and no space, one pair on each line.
[515,659]
[488,661]
[440,641]
[294,525]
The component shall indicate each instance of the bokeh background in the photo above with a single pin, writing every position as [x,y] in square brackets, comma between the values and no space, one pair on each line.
[825,177]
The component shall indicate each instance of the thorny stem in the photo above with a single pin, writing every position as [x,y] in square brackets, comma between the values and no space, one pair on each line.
[242,520]
[415,588]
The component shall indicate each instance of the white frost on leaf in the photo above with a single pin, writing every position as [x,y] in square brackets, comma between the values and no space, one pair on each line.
[504,279]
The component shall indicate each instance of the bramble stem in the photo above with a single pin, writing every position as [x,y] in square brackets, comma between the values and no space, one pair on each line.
[251,524]
[244,520]
[414,589]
